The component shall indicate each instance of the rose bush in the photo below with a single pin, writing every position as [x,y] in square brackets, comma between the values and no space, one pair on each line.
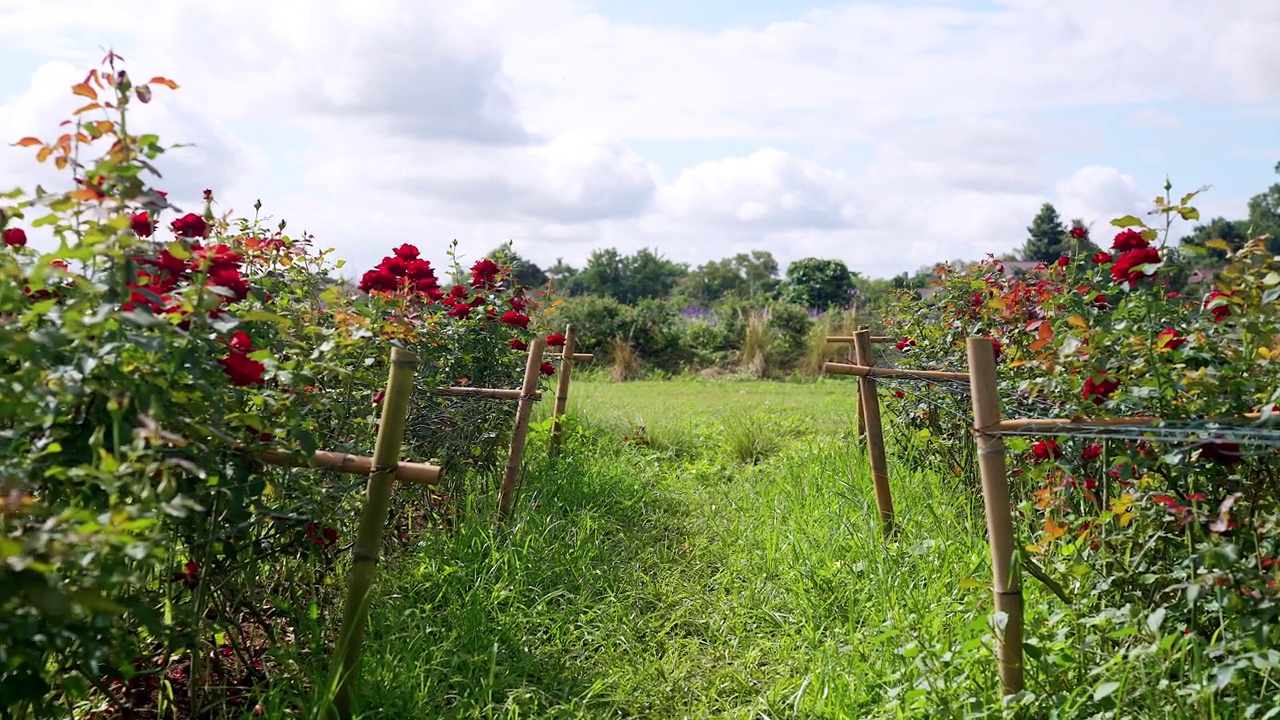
[148,555]
[1172,529]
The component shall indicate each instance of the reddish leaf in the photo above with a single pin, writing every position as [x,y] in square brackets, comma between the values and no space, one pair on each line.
[86,90]
[28,142]
[44,154]
[87,108]
[165,82]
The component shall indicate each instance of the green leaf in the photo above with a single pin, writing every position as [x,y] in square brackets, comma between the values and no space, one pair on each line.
[178,250]
[264,316]
[1128,221]
[1105,690]
[50,219]
[1189,213]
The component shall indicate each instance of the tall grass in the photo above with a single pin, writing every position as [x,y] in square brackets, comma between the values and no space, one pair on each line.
[758,343]
[818,351]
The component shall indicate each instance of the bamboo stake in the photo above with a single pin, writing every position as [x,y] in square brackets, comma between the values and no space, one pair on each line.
[511,473]
[420,473]
[562,386]
[862,413]
[373,518]
[1081,423]
[870,403]
[866,371]
[499,393]
[851,339]
[1006,586]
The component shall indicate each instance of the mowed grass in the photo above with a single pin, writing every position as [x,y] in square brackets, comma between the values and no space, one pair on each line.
[732,568]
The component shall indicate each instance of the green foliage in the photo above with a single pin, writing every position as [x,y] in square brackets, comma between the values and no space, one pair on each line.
[523,272]
[753,275]
[819,284]
[625,278]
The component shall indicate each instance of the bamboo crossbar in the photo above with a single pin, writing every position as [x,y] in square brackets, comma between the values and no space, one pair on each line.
[865,371]
[420,473]
[577,357]
[1086,423]
[849,339]
[499,393]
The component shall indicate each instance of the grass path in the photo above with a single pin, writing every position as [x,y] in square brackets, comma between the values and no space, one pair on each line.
[731,569]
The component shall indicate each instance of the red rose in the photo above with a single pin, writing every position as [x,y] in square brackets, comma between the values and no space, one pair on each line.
[1102,257]
[518,344]
[1064,261]
[1091,451]
[435,293]
[420,270]
[458,292]
[141,225]
[1128,266]
[547,368]
[511,317]
[997,347]
[555,340]
[406,252]
[1226,453]
[516,304]
[1097,389]
[1046,450]
[904,344]
[1129,240]
[330,536]
[377,280]
[190,225]
[230,279]
[15,237]
[394,265]
[899,394]
[1169,339]
[242,370]
[240,342]
[1079,233]
[190,575]
[378,398]
[1216,303]
[484,273]
[459,310]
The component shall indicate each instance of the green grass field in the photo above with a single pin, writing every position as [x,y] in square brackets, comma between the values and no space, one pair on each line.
[732,568]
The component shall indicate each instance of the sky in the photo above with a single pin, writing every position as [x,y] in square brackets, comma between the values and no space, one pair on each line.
[889,135]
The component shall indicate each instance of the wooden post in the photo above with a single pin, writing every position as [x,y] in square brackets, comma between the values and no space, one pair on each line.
[562,387]
[870,404]
[995,497]
[511,473]
[858,359]
[386,456]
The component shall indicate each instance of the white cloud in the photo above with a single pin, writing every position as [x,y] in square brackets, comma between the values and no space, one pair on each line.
[1098,193]
[768,190]
[1152,118]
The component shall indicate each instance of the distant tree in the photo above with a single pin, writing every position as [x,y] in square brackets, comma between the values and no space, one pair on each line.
[628,278]
[1047,238]
[563,277]
[524,271]
[1233,232]
[744,275]
[818,283]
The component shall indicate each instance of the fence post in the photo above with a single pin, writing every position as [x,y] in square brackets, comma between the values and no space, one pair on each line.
[858,359]
[562,386]
[995,497]
[869,402]
[386,460]
[511,473]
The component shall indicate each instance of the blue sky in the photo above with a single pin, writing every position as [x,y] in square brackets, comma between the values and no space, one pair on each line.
[886,134]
